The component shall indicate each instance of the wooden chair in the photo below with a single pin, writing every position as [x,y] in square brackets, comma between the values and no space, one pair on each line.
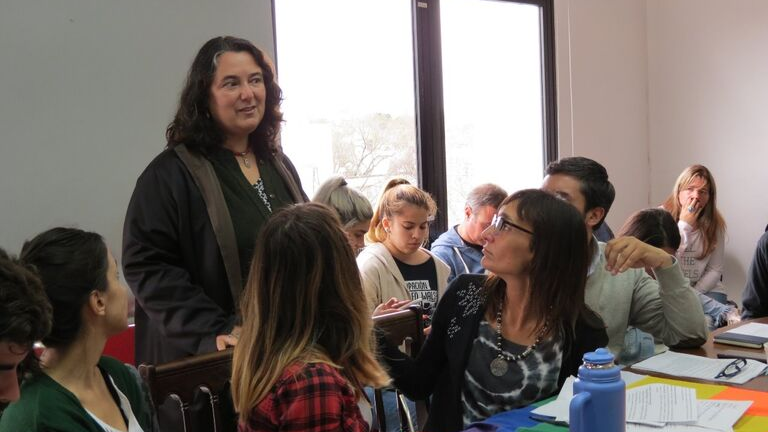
[192,394]
[405,329]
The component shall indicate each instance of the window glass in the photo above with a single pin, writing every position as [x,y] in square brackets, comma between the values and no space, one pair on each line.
[346,70]
[492,84]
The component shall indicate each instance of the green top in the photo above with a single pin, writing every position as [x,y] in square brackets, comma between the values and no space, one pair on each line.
[246,208]
[46,406]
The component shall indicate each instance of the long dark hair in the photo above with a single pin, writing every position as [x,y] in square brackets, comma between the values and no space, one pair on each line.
[71,263]
[653,226]
[558,270]
[193,124]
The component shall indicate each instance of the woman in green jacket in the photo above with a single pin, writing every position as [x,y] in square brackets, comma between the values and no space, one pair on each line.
[78,389]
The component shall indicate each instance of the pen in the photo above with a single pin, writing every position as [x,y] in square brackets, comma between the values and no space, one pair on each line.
[744,356]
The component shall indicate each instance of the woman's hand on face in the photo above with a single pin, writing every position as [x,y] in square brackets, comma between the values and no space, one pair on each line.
[628,252]
[225,341]
[690,212]
[390,306]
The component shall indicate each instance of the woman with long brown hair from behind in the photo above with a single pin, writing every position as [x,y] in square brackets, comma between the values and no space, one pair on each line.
[306,331]
[693,204]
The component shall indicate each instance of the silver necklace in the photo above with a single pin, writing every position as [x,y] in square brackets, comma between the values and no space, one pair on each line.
[500,364]
[244,155]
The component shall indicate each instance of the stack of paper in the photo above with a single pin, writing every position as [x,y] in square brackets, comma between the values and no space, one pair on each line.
[657,408]
[663,407]
[558,410]
[691,366]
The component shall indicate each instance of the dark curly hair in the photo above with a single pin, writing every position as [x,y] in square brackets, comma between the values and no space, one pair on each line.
[25,313]
[195,127]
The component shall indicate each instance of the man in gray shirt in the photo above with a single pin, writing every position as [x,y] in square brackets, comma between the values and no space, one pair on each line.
[618,288]
[461,247]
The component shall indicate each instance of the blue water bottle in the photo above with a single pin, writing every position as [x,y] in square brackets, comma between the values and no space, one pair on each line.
[599,402]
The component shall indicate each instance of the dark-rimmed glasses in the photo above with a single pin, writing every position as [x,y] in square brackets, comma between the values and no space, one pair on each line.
[499,224]
[732,369]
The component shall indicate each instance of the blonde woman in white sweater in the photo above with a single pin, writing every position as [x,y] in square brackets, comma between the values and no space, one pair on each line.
[394,264]
[702,229]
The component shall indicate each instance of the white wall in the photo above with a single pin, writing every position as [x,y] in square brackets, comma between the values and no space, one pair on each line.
[86,91]
[603,95]
[708,86]
[648,87]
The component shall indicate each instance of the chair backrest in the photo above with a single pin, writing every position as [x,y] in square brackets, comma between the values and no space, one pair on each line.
[192,394]
[403,328]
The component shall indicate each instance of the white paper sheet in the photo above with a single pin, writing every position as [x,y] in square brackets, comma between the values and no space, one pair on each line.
[721,414]
[691,366]
[661,403]
[702,415]
[559,409]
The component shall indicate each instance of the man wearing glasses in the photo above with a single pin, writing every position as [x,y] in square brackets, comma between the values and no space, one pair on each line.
[618,287]
[461,247]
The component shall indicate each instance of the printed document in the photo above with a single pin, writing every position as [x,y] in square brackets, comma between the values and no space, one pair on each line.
[691,366]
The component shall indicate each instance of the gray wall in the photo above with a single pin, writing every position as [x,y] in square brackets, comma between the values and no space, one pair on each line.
[86,91]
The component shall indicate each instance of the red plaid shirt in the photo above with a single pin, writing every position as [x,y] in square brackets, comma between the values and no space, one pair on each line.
[308,397]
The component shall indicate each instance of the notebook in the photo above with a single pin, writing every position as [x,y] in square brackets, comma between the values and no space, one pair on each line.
[751,335]
[749,341]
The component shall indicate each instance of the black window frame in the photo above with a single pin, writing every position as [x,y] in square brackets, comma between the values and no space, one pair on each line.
[428,91]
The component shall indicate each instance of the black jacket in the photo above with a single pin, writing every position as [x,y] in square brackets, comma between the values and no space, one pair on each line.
[439,368]
[180,255]
[755,295]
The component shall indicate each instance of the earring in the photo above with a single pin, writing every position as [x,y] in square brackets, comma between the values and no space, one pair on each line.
[386,230]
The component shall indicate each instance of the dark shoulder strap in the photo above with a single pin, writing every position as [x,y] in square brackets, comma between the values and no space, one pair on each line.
[205,178]
[282,164]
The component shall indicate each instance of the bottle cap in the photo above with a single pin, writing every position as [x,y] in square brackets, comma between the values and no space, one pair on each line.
[601,356]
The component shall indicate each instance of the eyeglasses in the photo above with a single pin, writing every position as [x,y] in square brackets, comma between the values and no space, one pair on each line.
[500,224]
[732,369]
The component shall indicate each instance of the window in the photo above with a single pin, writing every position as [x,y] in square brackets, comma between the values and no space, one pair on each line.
[450,94]
[349,91]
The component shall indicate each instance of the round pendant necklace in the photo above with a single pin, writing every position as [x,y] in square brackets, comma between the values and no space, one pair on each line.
[500,364]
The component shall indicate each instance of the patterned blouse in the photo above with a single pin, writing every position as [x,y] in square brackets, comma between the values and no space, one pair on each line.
[525,381]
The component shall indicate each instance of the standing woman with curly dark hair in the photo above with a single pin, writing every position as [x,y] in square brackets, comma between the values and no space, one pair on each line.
[192,222]
[693,204]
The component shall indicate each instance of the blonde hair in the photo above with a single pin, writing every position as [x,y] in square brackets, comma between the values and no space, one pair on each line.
[710,222]
[351,206]
[397,193]
[303,302]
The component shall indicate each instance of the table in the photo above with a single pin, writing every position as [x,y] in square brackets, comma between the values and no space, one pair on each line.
[711,349]
[518,420]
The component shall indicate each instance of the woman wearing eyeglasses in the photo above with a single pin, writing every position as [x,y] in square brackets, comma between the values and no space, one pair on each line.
[505,340]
